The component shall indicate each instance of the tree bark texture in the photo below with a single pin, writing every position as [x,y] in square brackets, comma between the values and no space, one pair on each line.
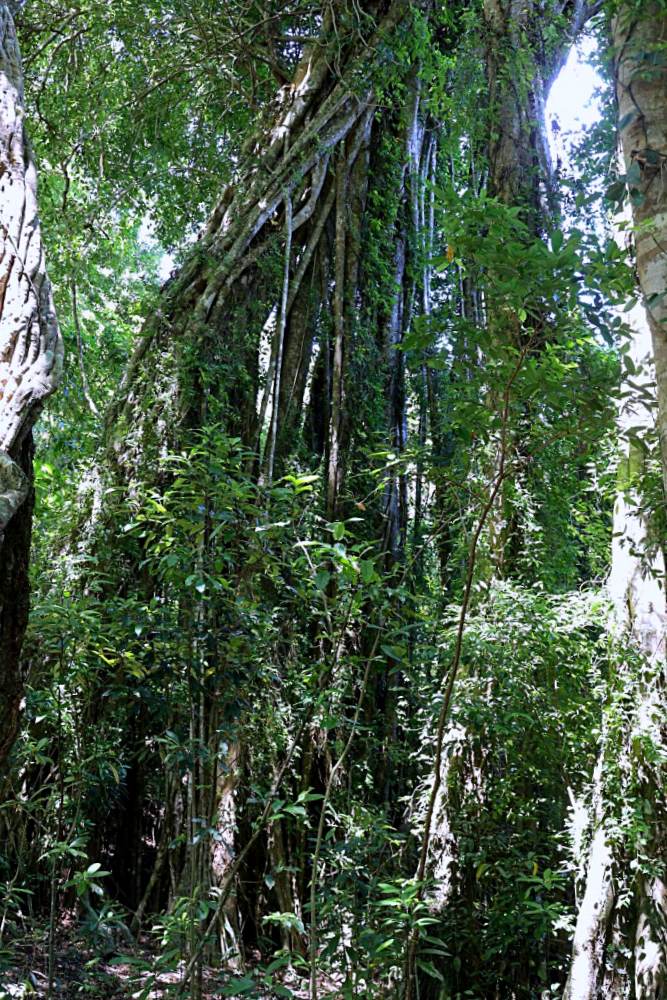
[522,62]
[639,39]
[605,929]
[31,356]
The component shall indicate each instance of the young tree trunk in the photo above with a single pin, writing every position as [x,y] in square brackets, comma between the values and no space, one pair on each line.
[595,910]
[31,356]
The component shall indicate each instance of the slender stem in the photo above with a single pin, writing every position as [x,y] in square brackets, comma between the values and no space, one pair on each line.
[455,663]
[79,345]
[314,883]
[280,341]
[235,867]
[59,834]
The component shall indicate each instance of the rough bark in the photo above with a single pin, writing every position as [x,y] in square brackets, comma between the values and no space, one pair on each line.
[636,587]
[30,363]
[520,168]
[595,910]
[409,260]
[518,149]
[639,39]
[639,36]
[224,849]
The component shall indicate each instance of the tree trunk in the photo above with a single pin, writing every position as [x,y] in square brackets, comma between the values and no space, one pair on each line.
[524,52]
[31,356]
[639,35]
[636,586]
[595,911]
[520,170]
[284,241]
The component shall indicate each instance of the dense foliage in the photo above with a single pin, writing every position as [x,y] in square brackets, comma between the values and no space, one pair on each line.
[320,668]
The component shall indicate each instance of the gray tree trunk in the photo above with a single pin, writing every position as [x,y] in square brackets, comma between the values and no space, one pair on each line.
[30,363]
[636,587]
[639,39]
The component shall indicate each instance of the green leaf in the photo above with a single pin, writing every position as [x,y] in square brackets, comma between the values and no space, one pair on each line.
[430,970]
[615,192]
[238,987]
[367,569]
[634,174]
[295,810]
[481,869]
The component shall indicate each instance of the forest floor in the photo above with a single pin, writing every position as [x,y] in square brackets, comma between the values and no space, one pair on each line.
[81,972]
